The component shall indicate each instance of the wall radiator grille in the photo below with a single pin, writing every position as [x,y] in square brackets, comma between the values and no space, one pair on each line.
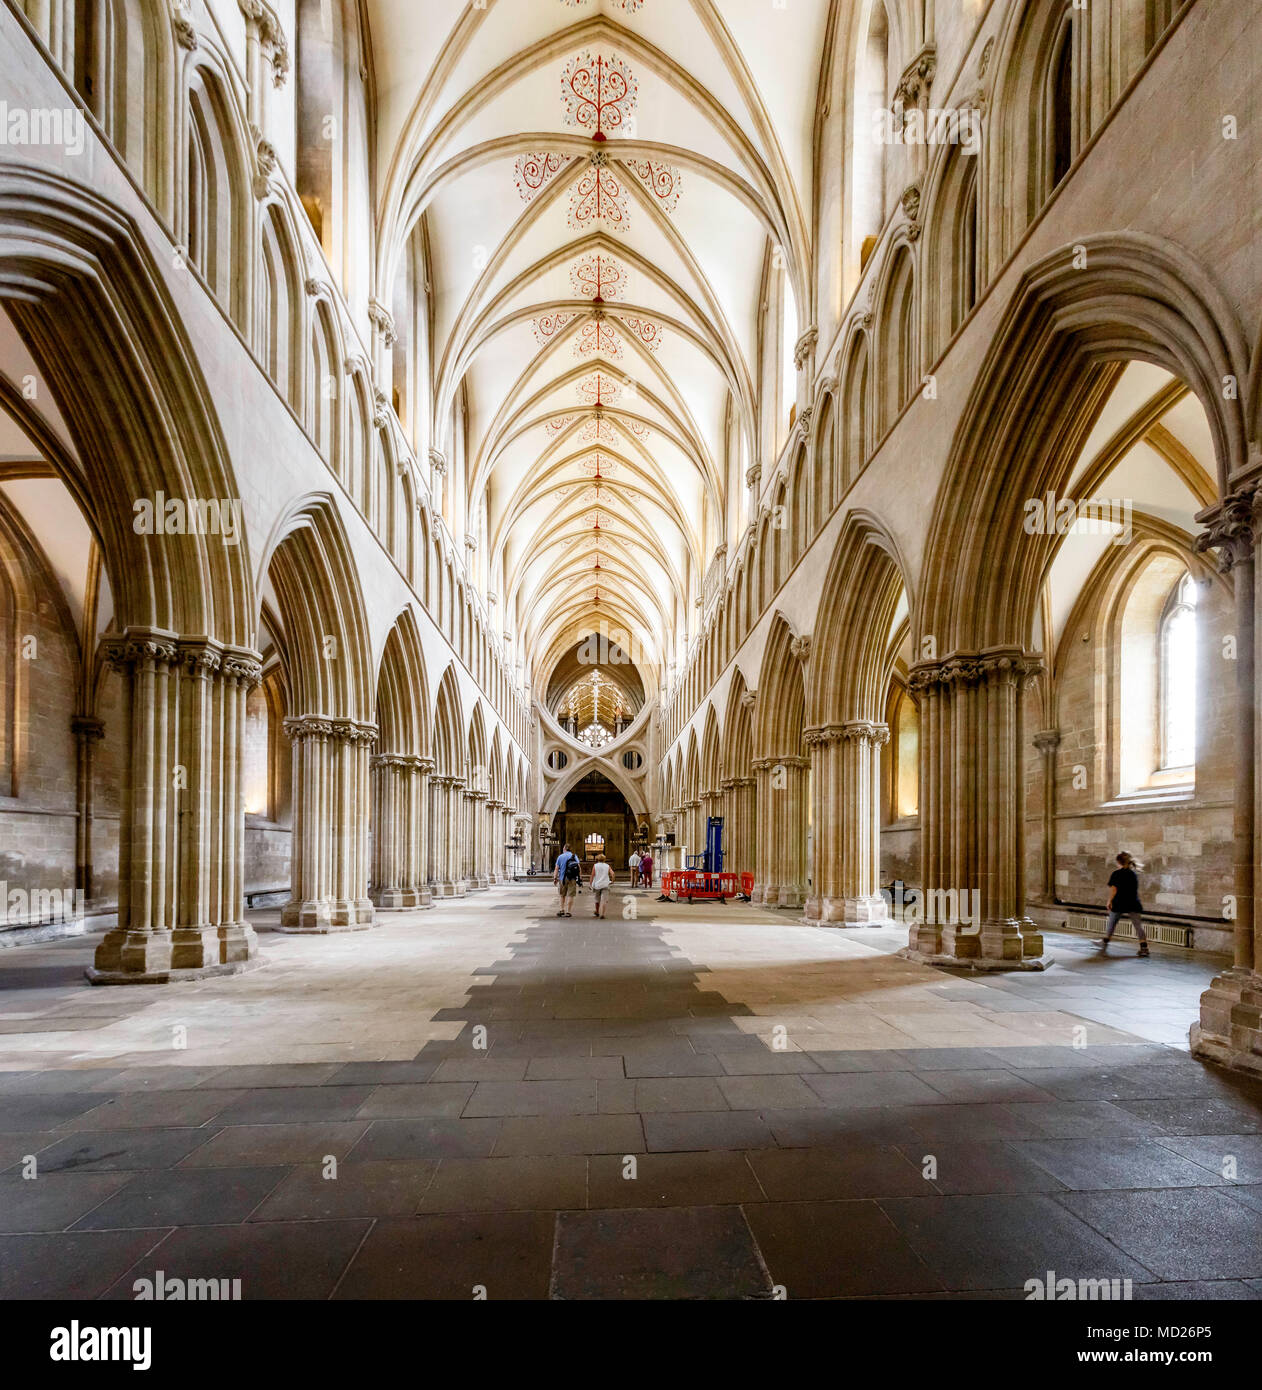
[1167,933]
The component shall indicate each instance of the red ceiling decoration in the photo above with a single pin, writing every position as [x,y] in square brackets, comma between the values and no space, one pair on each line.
[598,336]
[599,465]
[598,199]
[532,171]
[647,333]
[661,180]
[629,6]
[558,423]
[598,277]
[547,326]
[599,430]
[598,92]
[598,389]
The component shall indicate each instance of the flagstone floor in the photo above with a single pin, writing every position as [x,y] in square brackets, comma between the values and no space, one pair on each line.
[697,1101]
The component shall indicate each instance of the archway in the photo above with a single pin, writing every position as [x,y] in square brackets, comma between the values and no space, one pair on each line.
[594,817]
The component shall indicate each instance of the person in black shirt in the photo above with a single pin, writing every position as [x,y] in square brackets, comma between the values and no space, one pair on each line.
[1124,902]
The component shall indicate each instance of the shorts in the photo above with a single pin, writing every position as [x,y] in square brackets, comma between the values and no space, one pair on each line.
[601,894]
[568,888]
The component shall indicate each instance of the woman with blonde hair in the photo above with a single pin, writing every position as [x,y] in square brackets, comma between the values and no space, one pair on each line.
[602,877]
[1124,901]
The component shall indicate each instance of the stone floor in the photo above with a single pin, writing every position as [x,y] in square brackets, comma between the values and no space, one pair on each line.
[686,1101]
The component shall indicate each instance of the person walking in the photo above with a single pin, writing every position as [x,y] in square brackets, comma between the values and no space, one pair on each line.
[646,869]
[566,877]
[1124,902]
[602,877]
[633,864]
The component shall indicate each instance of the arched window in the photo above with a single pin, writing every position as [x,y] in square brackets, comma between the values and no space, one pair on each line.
[966,239]
[868,153]
[1058,144]
[1177,693]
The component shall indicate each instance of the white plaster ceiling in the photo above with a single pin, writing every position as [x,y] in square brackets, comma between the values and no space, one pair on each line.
[725,97]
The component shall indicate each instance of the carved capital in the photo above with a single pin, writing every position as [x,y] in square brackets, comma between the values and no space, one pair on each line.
[185,33]
[383,321]
[753,475]
[1047,741]
[800,647]
[438,462]
[199,658]
[865,731]
[913,85]
[804,346]
[1232,527]
[139,649]
[265,163]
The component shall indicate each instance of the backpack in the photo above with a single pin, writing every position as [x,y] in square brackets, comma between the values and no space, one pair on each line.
[572,870]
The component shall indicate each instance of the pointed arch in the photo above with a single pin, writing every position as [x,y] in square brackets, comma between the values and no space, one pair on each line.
[317,589]
[403,692]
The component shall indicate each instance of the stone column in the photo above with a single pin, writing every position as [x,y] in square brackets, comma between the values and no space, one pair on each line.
[496,836]
[88,732]
[1047,741]
[766,876]
[745,810]
[449,803]
[182,833]
[790,822]
[416,873]
[329,867]
[479,826]
[972,813]
[399,798]
[846,777]
[1229,1030]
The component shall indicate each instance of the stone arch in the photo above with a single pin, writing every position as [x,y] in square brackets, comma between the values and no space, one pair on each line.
[1114,298]
[326,628]
[781,768]
[850,677]
[607,767]
[328,663]
[215,200]
[399,771]
[446,802]
[279,301]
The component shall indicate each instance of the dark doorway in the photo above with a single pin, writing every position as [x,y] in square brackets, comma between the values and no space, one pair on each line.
[595,819]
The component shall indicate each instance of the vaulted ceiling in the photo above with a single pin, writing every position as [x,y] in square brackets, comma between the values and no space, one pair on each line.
[598,186]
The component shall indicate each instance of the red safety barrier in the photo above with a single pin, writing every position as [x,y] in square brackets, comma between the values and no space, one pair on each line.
[688,884]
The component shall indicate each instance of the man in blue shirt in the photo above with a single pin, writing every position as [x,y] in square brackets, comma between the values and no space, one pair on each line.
[566,877]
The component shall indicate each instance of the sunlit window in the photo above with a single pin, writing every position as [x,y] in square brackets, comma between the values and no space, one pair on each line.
[1178,677]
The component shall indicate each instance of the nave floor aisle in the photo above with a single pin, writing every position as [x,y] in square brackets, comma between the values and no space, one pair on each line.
[698,1101]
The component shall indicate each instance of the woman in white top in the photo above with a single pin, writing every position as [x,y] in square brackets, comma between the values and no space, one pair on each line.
[602,877]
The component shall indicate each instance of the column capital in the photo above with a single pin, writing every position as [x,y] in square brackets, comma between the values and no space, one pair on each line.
[338,730]
[87,727]
[865,730]
[1047,741]
[1232,527]
[138,647]
[967,668]
[392,760]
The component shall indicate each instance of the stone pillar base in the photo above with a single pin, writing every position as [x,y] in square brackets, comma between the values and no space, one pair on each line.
[327,915]
[450,889]
[850,912]
[1230,1027]
[404,900]
[126,957]
[1008,945]
[789,896]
